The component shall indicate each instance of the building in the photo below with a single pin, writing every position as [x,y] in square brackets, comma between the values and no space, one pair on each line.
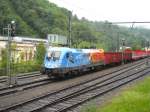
[23,49]
[54,39]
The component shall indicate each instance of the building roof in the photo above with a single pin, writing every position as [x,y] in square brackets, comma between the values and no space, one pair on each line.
[24,39]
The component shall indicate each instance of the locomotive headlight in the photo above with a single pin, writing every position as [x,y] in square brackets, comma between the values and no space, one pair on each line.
[56,65]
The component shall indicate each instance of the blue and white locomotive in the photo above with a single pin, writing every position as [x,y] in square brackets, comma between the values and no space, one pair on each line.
[63,61]
[60,61]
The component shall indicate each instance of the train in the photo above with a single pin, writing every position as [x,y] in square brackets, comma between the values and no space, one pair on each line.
[64,61]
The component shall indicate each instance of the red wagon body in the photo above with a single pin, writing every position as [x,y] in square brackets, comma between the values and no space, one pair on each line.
[112,57]
[137,54]
[148,53]
[127,55]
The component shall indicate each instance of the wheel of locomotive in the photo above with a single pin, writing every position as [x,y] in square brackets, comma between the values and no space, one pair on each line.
[75,73]
[48,73]
[92,68]
[42,71]
[79,72]
[69,74]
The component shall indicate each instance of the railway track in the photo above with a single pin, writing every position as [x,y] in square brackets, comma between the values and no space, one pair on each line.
[30,85]
[73,96]
[75,99]
[41,81]
[21,76]
[38,82]
[25,81]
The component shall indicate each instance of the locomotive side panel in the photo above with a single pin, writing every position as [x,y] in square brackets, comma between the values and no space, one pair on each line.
[97,56]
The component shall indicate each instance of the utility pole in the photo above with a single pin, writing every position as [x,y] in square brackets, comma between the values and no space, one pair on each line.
[123,44]
[118,47]
[147,48]
[148,45]
[70,20]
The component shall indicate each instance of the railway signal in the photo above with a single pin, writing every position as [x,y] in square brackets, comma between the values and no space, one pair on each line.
[10,33]
[13,28]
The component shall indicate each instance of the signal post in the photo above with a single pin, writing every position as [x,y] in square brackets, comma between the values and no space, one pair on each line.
[12,80]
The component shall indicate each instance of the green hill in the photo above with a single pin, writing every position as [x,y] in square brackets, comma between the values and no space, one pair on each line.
[39,17]
[33,17]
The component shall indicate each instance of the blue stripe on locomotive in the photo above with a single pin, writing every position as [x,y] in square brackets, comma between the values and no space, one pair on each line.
[68,58]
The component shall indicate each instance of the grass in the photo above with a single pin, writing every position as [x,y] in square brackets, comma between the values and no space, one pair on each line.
[21,68]
[135,99]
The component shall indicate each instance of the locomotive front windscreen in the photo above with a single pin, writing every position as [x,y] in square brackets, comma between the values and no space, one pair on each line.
[55,55]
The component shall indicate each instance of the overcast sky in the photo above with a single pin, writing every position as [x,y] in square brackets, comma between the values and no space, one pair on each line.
[111,10]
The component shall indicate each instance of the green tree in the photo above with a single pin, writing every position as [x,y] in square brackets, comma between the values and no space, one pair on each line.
[136,46]
[84,44]
[40,53]
[4,58]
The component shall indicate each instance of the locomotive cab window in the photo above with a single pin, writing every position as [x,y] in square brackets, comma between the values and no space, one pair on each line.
[55,55]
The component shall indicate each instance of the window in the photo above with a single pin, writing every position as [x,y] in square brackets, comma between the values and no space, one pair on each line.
[70,57]
[54,38]
[55,55]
